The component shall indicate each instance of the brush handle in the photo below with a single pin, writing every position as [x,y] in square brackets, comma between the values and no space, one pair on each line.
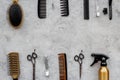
[15,79]
[15,1]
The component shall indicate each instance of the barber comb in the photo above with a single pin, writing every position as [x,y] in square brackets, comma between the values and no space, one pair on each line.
[62,66]
[42,9]
[14,65]
[110,9]
[86,9]
[64,7]
[15,15]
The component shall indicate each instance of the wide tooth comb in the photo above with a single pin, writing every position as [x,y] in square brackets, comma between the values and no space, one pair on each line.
[14,65]
[42,9]
[62,66]
[64,7]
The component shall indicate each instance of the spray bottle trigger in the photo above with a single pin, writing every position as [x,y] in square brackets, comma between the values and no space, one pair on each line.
[95,61]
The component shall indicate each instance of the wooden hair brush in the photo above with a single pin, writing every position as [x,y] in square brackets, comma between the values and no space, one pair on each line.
[14,65]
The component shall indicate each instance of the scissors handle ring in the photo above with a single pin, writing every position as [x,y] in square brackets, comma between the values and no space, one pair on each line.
[76,58]
[81,56]
[29,58]
[34,55]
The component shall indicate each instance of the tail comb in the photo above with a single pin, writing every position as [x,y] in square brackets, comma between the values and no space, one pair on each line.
[64,7]
[14,65]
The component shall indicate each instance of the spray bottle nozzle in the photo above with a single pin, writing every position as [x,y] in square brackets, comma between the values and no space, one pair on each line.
[99,57]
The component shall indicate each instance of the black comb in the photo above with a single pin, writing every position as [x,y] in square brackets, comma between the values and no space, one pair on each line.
[64,7]
[42,9]
[110,9]
[86,9]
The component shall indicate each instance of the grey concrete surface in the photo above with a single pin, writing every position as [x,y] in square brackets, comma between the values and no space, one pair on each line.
[57,34]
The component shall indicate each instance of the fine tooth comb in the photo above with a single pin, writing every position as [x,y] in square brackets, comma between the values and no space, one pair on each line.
[42,9]
[64,7]
[62,66]
[15,14]
[110,9]
[86,9]
[14,65]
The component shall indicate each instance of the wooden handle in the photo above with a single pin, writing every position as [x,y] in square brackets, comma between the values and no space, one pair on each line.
[15,1]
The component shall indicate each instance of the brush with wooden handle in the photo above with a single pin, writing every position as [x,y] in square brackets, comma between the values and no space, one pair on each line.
[14,65]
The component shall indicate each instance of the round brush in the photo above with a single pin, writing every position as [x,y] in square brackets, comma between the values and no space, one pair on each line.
[14,65]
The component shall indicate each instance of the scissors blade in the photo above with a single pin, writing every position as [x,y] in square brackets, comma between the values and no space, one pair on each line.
[33,71]
[80,70]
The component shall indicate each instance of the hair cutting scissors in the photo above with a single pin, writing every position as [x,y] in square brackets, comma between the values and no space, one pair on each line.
[79,58]
[32,58]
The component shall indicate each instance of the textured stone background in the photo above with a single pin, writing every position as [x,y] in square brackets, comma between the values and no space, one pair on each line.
[57,34]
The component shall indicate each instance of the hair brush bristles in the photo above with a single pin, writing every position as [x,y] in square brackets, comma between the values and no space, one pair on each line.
[64,7]
[14,65]
[15,15]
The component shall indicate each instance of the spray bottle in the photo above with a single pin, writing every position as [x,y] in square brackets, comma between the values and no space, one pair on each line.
[103,71]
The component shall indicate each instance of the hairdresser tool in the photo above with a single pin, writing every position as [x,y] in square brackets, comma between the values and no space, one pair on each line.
[86,9]
[15,14]
[97,9]
[42,9]
[79,58]
[62,66]
[32,59]
[46,67]
[64,7]
[110,9]
[14,65]
[103,71]
[105,11]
